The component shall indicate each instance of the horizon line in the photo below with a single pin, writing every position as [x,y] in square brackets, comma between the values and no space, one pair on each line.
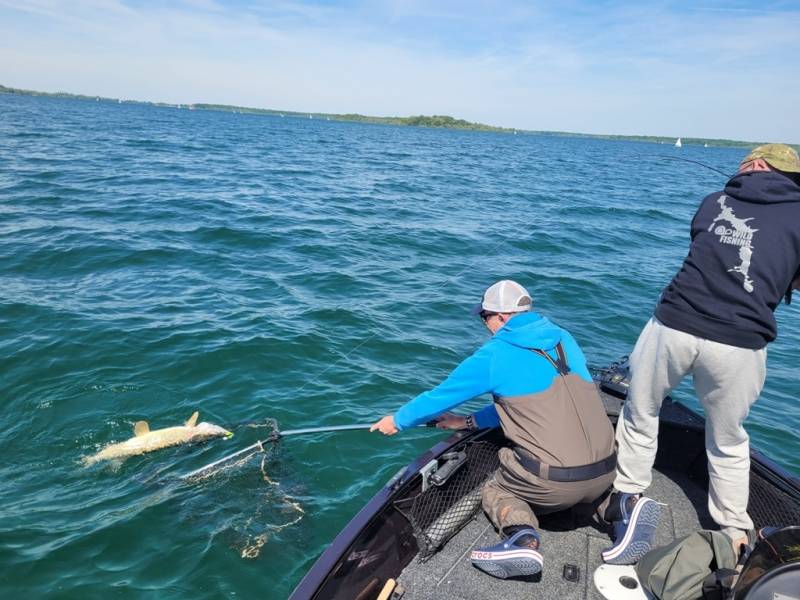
[4,89]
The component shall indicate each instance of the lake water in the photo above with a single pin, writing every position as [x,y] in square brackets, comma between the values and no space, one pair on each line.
[158,261]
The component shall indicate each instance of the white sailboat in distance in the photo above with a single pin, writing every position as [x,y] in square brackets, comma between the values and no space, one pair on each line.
[678,143]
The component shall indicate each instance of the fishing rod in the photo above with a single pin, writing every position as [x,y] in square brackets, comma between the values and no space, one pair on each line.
[274,437]
[696,162]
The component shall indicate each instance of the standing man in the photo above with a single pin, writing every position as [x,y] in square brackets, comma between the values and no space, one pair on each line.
[562,442]
[714,320]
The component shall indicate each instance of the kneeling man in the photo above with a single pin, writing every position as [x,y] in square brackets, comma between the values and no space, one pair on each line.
[562,442]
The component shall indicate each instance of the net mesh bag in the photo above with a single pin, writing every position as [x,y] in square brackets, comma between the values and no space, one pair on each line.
[440,512]
[771,506]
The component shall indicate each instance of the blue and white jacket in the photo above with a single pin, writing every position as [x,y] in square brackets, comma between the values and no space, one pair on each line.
[504,367]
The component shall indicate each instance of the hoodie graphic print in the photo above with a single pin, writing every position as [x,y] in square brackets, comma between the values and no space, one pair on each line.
[738,233]
[744,252]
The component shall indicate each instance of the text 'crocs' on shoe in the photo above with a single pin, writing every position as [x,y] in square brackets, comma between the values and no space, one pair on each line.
[515,556]
[634,533]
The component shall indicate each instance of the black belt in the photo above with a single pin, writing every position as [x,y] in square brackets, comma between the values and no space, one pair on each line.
[551,473]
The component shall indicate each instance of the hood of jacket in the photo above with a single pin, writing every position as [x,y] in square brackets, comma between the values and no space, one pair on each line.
[530,330]
[763,187]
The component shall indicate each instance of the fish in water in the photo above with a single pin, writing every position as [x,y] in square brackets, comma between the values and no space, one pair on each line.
[145,440]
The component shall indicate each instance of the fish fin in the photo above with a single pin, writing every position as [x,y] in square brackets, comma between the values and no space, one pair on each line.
[141,428]
[193,419]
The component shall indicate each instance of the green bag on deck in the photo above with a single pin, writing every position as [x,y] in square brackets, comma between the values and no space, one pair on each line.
[677,571]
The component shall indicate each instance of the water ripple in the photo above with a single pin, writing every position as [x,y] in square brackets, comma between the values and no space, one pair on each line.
[159,261]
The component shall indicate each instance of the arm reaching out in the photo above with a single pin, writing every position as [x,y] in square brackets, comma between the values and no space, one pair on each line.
[469,379]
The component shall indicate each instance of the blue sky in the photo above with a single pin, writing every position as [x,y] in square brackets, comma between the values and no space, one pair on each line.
[706,68]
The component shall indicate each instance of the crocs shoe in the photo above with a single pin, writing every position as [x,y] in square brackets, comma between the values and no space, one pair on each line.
[634,533]
[507,559]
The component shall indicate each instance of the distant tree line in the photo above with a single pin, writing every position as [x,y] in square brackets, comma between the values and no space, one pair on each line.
[436,121]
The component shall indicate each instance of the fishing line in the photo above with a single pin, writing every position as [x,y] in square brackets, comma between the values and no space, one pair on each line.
[255,542]
[243,455]
[373,335]
[696,162]
[466,268]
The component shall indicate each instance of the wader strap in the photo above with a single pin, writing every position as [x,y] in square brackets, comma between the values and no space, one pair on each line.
[562,366]
[551,473]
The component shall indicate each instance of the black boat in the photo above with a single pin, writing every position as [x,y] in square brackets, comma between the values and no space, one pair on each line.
[413,539]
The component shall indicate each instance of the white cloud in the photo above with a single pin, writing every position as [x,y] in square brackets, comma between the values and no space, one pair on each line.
[622,69]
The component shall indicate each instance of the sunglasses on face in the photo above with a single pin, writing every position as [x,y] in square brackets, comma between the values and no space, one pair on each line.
[485,315]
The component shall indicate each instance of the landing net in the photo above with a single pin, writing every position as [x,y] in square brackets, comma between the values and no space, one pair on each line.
[237,459]
[273,503]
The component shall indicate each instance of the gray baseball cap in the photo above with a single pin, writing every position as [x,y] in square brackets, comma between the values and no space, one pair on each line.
[505,296]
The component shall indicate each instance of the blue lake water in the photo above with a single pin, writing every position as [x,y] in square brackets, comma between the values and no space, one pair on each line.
[158,261]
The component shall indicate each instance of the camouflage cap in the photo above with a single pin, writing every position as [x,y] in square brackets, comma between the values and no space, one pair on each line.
[777,156]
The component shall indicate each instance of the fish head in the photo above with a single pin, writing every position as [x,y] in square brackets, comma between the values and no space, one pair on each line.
[204,431]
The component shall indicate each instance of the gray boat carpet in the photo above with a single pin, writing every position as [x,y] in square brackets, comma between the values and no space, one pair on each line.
[449,574]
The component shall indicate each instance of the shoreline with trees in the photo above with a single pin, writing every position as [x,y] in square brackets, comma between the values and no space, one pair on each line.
[432,121]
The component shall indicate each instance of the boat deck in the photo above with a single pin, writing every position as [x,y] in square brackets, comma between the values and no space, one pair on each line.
[410,519]
[403,523]
[567,538]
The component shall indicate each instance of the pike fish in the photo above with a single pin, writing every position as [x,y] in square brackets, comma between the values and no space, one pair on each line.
[145,440]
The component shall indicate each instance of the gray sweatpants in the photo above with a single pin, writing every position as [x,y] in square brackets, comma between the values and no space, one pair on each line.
[727,380]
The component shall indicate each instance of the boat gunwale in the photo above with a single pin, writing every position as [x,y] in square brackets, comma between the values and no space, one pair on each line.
[322,569]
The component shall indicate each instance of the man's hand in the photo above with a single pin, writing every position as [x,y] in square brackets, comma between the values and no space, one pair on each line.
[386,426]
[450,421]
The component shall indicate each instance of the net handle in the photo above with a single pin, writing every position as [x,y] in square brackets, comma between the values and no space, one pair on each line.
[275,435]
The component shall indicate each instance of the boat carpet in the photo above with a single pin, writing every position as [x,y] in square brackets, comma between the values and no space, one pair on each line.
[566,539]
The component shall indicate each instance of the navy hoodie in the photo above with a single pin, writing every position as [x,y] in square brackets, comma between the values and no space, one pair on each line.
[745,251]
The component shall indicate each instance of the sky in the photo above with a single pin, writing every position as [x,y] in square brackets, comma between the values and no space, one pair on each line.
[717,69]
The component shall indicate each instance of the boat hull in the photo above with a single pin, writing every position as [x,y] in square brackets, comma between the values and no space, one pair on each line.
[382,540]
